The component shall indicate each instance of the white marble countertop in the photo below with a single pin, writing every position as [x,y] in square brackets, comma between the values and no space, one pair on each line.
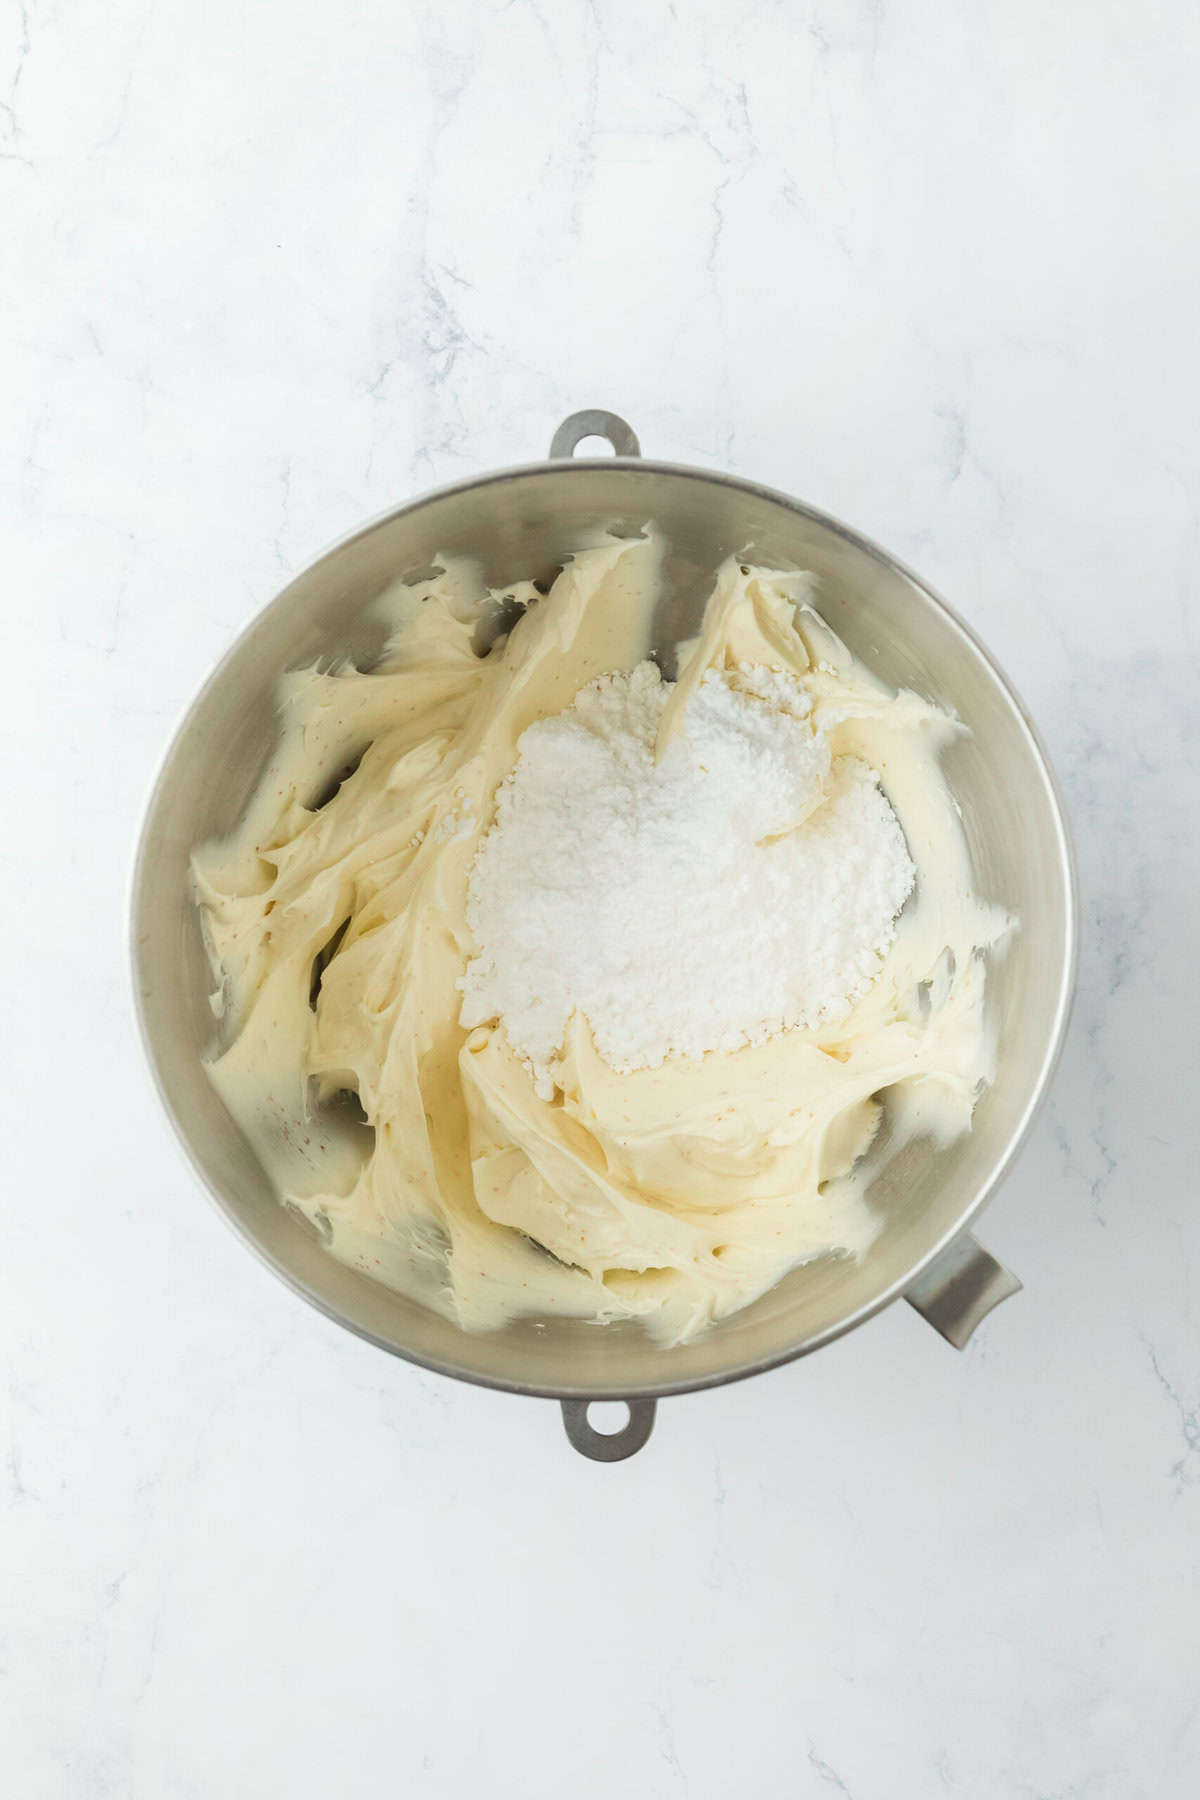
[272,268]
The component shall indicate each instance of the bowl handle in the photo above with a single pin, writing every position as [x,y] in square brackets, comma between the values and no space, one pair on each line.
[959,1288]
[594,422]
[604,1446]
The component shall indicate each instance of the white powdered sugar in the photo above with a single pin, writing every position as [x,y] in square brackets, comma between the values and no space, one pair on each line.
[741,885]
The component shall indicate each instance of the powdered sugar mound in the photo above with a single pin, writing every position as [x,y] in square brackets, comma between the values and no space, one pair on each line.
[776,686]
[740,885]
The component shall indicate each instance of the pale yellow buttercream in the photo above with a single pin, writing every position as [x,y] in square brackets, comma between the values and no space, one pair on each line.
[676,1194]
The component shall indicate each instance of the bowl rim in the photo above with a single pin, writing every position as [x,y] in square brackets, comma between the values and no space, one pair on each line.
[1064,998]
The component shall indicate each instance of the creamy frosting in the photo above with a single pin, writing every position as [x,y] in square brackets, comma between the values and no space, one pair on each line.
[339,936]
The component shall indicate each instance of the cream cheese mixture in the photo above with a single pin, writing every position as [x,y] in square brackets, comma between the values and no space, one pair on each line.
[624,1062]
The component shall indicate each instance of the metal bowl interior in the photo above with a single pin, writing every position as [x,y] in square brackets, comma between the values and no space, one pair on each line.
[523,522]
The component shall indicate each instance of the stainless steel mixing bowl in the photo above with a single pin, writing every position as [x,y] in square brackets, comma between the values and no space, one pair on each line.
[522,522]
